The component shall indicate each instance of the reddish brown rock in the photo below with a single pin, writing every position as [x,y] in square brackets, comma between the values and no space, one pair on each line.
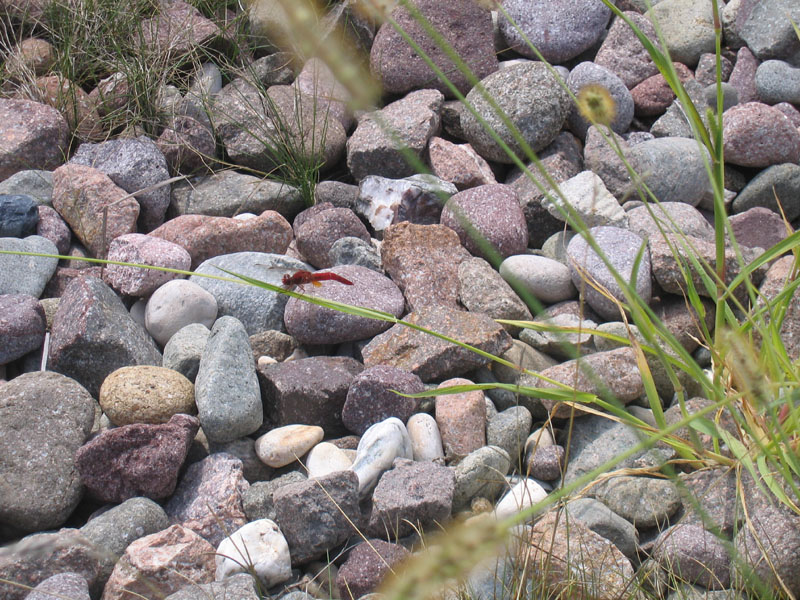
[204,237]
[459,164]
[743,76]
[623,54]
[159,564]
[653,96]
[461,419]
[89,202]
[423,261]
[32,136]
[757,135]
[31,54]
[136,460]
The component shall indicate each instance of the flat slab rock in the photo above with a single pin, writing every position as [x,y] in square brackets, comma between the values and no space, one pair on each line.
[431,358]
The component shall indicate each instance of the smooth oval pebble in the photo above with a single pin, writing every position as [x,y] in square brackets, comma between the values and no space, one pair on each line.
[146,394]
[377,449]
[545,278]
[258,548]
[284,445]
[176,304]
[523,495]
[325,458]
[426,442]
[757,135]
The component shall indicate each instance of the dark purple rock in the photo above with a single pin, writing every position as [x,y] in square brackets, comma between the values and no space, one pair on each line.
[366,566]
[412,496]
[310,391]
[743,76]
[208,499]
[316,516]
[52,227]
[694,555]
[93,335]
[546,463]
[621,247]
[464,25]
[18,215]
[316,234]
[44,418]
[487,214]
[758,227]
[188,146]
[371,398]
[136,460]
[132,164]
[38,557]
[22,326]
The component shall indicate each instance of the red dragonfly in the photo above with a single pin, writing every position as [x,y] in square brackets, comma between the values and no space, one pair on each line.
[302,277]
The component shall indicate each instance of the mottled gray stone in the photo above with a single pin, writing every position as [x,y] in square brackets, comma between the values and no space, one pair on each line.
[480,474]
[539,118]
[589,73]
[26,274]
[226,388]
[605,522]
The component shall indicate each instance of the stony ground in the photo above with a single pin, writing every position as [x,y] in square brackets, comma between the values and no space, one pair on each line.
[178,417]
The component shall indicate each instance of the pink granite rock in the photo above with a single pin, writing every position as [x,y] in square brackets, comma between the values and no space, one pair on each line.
[71,101]
[366,566]
[82,195]
[204,237]
[757,135]
[54,228]
[316,230]
[32,136]
[459,164]
[145,250]
[465,26]
[159,564]
[423,261]
[461,419]
[488,215]
[623,54]
[187,145]
[208,499]
[22,326]
[136,460]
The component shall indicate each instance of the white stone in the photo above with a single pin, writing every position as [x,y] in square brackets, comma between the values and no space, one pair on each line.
[379,197]
[377,449]
[588,196]
[523,495]
[175,305]
[283,445]
[260,545]
[547,279]
[426,441]
[325,458]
